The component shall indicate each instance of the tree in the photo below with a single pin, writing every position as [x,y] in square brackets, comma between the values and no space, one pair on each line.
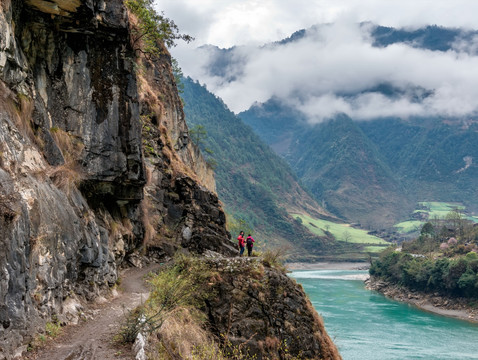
[178,74]
[198,134]
[153,29]
[427,229]
[347,236]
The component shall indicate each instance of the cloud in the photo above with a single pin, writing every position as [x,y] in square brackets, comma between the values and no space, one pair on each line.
[227,23]
[335,69]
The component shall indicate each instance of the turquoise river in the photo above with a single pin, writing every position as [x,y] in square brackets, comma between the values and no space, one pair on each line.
[367,326]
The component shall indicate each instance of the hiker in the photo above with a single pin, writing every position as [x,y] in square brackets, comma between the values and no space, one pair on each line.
[241,242]
[250,243]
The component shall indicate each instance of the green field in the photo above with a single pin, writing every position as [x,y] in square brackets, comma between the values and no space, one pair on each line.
[341,232]
[375,249]
[435,210]
[410,226]
[438,209]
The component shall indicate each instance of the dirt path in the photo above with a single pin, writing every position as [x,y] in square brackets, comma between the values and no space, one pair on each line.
[92,339]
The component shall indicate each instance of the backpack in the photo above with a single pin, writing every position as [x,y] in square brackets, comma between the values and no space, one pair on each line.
[249,241]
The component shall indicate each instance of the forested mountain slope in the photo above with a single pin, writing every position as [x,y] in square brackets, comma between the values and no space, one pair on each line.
[391,163]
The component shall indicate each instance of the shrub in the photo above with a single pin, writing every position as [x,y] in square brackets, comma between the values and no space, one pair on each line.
[53,329]
[153,28]
[454,277]
[276,257]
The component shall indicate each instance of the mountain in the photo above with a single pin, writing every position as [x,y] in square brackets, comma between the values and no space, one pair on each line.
[336,161]
[433,37]
[374,172]
[434,160]
[343,168]
[367,170]
[229,64]
[258,188]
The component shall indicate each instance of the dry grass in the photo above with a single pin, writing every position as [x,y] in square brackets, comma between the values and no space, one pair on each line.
[25,111]
[66,177]
[148,95]
[182,337]
[70,145]
[20,108]
[271,343]
[177,165]
[276,257]
[149,229]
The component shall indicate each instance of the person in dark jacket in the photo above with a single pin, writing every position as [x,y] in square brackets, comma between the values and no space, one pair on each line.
[249,243]
[241,242]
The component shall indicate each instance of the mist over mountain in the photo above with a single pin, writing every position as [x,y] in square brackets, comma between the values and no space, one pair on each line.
[360,69]
[374,172]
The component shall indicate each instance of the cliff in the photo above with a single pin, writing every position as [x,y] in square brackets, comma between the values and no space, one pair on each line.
[260,306]
[96,167]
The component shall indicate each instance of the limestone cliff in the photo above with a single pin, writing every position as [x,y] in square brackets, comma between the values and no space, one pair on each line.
[72,170]
[96,167]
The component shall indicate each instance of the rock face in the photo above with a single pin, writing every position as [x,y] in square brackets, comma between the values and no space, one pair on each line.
[97,170]
[72,171]
[264,311]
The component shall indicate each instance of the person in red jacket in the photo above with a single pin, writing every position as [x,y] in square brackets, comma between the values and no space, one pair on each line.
[249,243]
[241,242]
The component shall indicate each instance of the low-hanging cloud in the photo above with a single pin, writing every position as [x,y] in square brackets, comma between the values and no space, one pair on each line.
[227,23]
[336,69]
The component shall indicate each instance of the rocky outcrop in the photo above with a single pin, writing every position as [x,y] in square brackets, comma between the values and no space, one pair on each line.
[264,312]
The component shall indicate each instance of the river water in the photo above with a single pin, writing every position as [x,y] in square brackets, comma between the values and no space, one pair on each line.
[366,326]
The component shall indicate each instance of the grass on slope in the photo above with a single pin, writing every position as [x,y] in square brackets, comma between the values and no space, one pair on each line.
[439,209]
[376,248]
[341,232]
[409,226]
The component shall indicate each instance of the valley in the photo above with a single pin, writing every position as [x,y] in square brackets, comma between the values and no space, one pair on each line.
[132,154]
[307,195]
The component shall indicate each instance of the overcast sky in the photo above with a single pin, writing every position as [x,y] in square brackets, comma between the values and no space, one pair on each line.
[314,73]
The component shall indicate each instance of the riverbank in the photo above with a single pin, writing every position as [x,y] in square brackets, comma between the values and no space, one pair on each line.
[328,266]
[460,308]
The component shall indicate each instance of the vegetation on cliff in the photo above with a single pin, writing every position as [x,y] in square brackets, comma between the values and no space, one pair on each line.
[153,29]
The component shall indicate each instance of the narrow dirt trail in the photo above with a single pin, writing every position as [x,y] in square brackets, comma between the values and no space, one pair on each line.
[93,338]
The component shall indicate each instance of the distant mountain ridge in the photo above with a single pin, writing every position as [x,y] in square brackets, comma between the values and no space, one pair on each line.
[432,37]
